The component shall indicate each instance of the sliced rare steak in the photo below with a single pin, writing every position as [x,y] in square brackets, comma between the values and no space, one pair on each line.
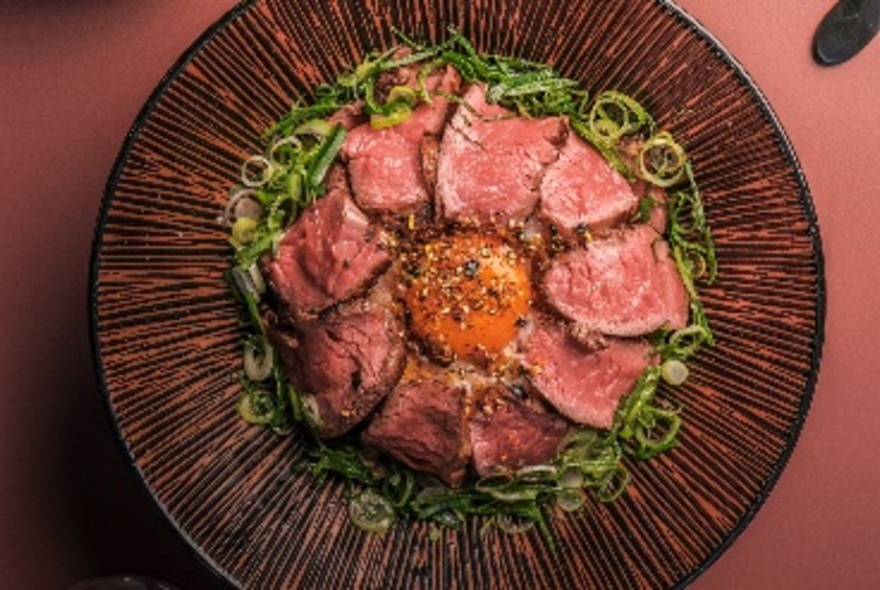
[422,425]
[583,384]
[429,150]
[386,165]
[349,116]
[624,285]
[330,254]
[491,163]
[346,363]
[508,433]
[581,191]
[282,336]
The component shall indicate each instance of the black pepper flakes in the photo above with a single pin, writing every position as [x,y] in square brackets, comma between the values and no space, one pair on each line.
[471,268]
[518,391]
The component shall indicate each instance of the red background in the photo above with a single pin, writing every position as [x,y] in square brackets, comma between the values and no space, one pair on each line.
[73,76]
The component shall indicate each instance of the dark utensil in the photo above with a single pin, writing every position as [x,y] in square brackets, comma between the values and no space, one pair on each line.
[845,30]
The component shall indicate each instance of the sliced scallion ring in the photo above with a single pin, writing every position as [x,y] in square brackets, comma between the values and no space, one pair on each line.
[514,494]
[662,160]
[243,230]
[685,342]
[577,439]
[371,512]
[256,407]
[665,422]
[242,203]
[259,358]
[494,482]
[513,525]
[537,473]
[256,171]
[615,115]
[399,487]
[257,279]
[290,140]
[571,477]
[674,371]
[570,499]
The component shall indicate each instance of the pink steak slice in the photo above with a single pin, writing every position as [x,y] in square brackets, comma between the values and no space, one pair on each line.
[330,254]
[624,285]
[584,385]
[385,165]
[581,189]
[422,425]
[491,163]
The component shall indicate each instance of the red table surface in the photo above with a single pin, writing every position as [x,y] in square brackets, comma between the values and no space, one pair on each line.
[74,75]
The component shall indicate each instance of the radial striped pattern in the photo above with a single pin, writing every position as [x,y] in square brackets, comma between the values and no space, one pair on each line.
[167,334]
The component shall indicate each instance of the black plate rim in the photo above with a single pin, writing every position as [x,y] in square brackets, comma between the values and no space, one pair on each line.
[809,210]
[94,267]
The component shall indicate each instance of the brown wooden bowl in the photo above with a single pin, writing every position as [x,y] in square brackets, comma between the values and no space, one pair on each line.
[167,342]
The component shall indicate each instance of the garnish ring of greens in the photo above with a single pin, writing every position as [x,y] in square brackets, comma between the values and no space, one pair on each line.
[278,185]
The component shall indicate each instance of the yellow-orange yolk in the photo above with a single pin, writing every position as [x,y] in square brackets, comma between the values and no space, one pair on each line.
[466,295]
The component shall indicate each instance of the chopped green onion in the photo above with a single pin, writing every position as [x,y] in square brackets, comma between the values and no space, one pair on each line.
[570,499]
[399,487]
[258,359]
[649,443]
[662,160]
[317,127]
[685,342]
[256,171]
[402,95]
[342,459]
[615,485]
[263,242]
[415,57]
[296,403]
[395,117]
[537,473]
[674,371]
[371,512]
[289,145]
[255,406]
[299,114]
[493,483]
[244,230]
[571,477]
[514,494]
[325,156]
[238,200]
[514,525]
[615,115]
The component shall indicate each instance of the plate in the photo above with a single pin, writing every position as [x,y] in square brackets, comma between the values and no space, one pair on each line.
[167,339]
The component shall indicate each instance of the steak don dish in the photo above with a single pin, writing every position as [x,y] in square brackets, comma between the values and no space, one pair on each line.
[468,289]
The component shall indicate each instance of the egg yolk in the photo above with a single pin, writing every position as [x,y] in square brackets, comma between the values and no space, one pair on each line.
[466,295]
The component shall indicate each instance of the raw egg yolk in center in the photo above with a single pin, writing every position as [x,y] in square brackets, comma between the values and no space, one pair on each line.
[466,294]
